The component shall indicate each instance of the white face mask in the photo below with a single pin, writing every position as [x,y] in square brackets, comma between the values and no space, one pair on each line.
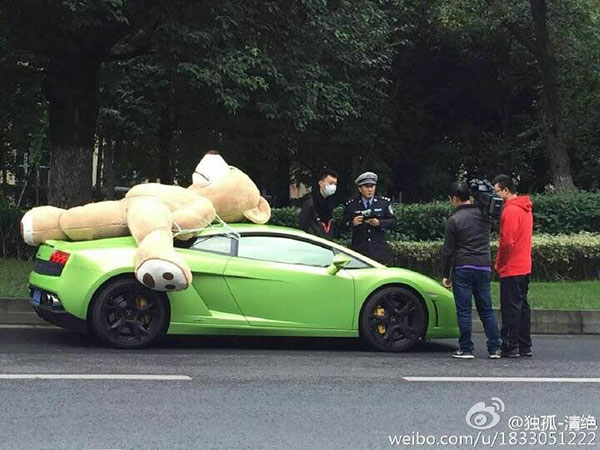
[329,190]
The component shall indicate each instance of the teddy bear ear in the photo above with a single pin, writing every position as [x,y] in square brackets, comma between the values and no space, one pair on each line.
[261,214]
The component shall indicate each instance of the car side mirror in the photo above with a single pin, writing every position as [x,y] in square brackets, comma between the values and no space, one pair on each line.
[339,262]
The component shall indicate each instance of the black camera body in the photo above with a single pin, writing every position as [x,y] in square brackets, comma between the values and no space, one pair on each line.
[485,196]
[368,214]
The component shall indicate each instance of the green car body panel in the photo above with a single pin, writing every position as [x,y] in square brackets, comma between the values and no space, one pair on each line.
[232,295]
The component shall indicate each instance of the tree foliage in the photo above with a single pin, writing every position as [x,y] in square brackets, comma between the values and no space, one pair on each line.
[420,91]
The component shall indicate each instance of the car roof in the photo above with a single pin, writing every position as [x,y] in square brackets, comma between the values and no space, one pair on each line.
[249,228]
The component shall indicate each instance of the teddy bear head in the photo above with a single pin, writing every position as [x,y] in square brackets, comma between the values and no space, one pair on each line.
[232,192]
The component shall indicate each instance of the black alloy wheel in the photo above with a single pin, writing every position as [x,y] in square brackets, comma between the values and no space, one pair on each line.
[393,319]
[126,314]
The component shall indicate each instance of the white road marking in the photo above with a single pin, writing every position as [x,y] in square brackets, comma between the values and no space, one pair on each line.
[58,376]
[505,379]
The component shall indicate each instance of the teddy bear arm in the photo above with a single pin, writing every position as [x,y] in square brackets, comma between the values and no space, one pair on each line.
[193,216]
[147,214]
[157,265]
[95,220]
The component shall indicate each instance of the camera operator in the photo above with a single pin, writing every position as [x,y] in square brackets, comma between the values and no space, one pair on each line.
[466,268]
[513,264]
[369,216]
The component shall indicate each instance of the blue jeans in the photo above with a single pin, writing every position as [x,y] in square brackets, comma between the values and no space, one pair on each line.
[465,284]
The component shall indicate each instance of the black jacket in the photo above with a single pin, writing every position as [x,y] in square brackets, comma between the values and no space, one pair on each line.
[311,222]
[367,239]
[467,239]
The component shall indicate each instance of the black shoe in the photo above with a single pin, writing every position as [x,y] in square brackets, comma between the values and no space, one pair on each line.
[463,355]
[526,352]
[514,353]
[495,354]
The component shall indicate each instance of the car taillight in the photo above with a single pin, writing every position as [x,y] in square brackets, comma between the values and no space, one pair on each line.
[59,257]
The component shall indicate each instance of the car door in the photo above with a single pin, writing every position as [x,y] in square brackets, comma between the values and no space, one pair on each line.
[281,281]
[209,300]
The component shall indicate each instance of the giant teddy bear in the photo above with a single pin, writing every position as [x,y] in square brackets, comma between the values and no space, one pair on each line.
[151,213]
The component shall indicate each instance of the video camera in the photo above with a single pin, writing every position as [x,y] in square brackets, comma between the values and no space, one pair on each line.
[485,196]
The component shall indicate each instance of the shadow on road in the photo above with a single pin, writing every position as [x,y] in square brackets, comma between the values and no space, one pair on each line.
[286,343]
[57,338]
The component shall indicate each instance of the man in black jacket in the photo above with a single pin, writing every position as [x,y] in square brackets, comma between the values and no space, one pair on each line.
[466,268]
[369,216]
[316,215]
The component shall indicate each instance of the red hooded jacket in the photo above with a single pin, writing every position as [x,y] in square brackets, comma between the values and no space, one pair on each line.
[516,229]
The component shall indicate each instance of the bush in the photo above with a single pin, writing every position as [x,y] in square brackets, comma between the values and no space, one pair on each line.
[567,213]
[554,257]
[285,217]
[553,214]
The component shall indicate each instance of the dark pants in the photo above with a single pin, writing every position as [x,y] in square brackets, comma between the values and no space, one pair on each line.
[465,284]
[516,315]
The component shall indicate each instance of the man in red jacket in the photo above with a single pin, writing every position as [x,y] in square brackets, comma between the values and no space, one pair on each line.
[513,264]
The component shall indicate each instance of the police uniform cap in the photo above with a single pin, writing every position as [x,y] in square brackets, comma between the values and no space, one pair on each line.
[366,178]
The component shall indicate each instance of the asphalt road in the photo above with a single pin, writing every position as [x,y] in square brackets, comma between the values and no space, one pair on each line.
[288,393]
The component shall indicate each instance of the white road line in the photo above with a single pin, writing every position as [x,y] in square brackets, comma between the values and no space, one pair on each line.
[58,376]
[505,379]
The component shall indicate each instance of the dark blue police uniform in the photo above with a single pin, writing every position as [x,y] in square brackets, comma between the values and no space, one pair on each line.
[367,239]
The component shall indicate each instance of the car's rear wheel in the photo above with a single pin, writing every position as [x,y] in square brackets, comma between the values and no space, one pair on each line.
[126,314]
[393,319]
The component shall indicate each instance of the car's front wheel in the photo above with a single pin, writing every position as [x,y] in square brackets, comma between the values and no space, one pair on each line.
[126,314]
[393,319]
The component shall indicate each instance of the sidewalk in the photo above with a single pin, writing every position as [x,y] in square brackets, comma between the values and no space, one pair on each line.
[18,311]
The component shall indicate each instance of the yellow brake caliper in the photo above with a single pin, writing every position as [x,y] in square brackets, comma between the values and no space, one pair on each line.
[142,303]
[380,312]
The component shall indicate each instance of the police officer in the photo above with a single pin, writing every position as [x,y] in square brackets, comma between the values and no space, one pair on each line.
[369,216]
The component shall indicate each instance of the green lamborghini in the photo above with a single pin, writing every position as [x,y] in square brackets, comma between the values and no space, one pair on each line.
[247,280]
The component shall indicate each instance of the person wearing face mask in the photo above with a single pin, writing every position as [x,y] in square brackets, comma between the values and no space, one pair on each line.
[316,216]
[369,216]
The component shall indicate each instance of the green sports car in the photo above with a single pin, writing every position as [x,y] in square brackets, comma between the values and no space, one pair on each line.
[247,280]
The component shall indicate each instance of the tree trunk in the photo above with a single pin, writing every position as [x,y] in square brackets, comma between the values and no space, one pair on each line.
[70,176]
[554,133]
[71,87]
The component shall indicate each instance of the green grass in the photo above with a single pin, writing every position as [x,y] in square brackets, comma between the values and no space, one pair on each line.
[559,295]
[14,274]
[575,295]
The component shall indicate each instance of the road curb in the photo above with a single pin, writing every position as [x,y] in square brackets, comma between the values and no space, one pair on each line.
[553,321]
[18,311]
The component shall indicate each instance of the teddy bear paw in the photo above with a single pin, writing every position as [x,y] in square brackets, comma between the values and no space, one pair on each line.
[161,275]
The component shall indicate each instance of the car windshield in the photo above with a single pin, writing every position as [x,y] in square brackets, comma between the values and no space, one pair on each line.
[214,244]
[354,263]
